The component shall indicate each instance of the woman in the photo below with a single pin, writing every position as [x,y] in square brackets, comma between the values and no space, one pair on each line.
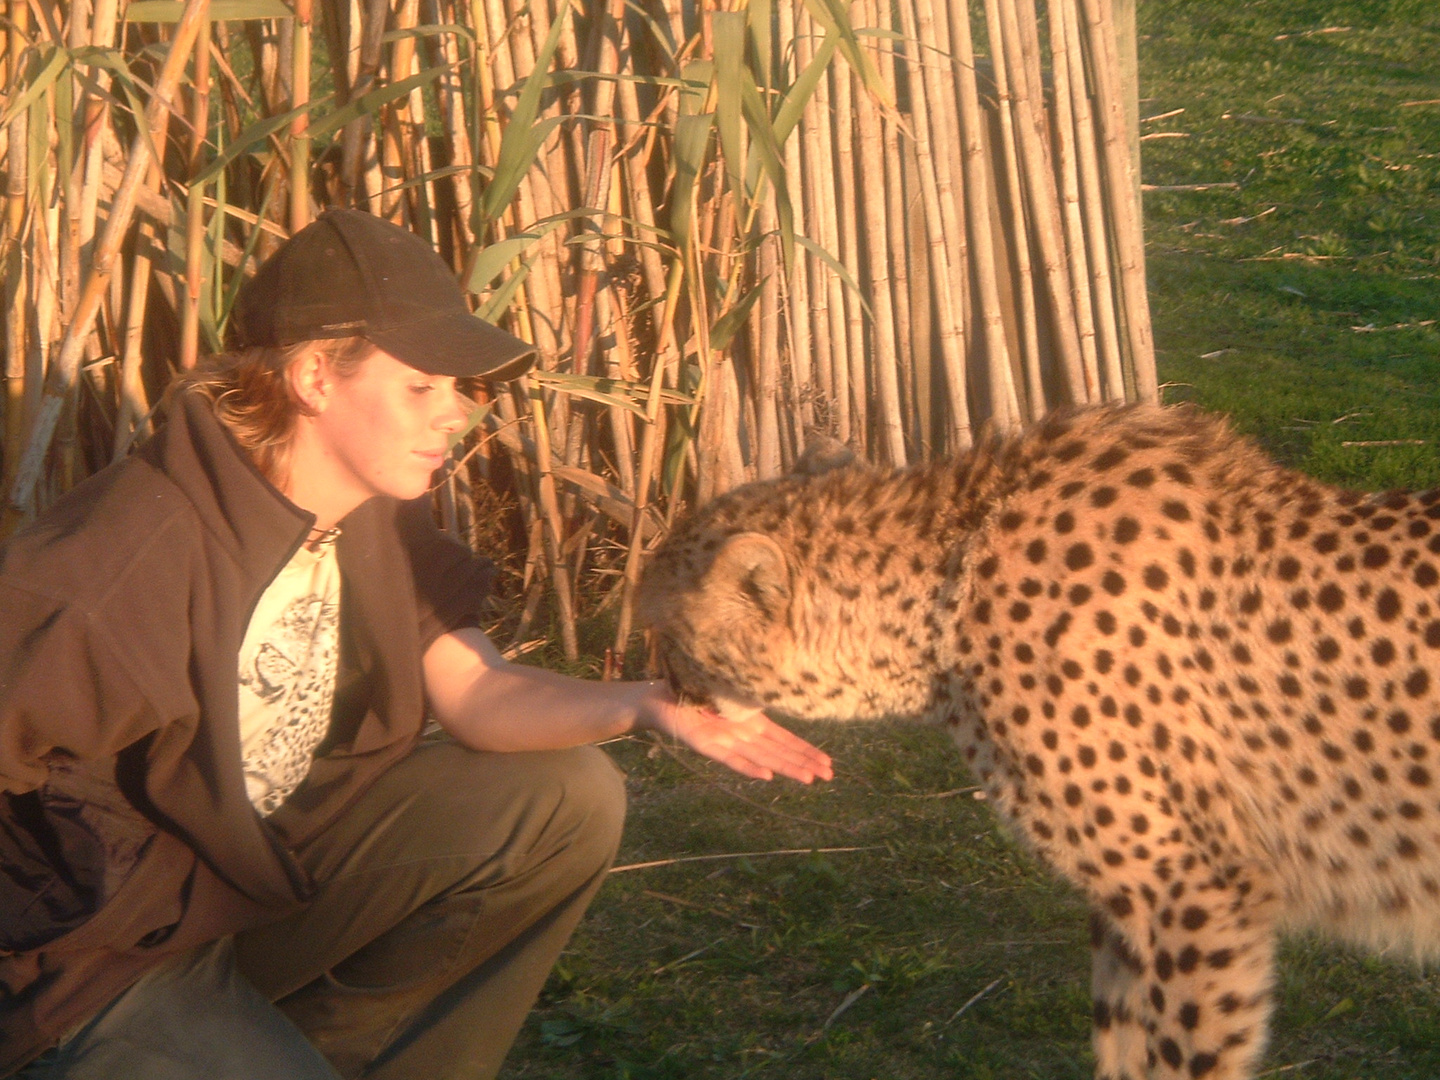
[216,659]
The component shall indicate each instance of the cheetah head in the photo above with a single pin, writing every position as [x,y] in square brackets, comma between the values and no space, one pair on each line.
[719,605]
[769,597]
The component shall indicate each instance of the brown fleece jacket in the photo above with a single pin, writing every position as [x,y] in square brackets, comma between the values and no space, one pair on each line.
[125,831]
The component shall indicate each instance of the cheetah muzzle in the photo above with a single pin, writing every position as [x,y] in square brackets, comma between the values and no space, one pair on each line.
[1195,682]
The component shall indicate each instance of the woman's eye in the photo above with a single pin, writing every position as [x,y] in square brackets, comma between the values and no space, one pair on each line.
[421,388]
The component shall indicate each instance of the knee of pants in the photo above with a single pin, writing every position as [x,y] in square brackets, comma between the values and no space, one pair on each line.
[570,801]
[590,800]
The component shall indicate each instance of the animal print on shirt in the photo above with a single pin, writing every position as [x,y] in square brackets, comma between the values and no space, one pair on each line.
[287,676]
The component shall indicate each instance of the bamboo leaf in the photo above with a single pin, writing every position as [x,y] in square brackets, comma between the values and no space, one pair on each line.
[692,136]
[767,155]
[578,75]
[723,332]
[251,242]
[759,12]
[168,11]
[428,30]
[367,104]
[840,271]
[64,99]
[37,130]
[659,30]
[620,393]
[487,262]
[499,300]
[731,80]
[57,62]
[682,432]
[799,94]
[607,498]
[695,86]
[491,260]
[523,138]
[517,155]
[831,14]
[257,132]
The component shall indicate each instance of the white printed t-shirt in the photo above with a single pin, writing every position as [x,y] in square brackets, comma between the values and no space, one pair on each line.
[288,665]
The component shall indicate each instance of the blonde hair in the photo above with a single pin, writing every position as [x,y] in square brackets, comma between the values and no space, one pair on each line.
[251,392]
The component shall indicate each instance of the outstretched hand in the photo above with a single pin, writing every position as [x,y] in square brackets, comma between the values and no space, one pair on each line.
[746,740]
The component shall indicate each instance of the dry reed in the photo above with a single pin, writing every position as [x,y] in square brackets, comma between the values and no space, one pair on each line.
[724,237]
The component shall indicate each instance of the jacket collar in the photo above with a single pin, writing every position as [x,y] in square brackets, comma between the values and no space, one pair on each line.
[246,514]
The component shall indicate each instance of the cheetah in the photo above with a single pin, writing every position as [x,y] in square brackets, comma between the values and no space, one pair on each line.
[1196,683]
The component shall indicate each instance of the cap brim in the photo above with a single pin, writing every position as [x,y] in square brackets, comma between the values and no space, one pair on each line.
[457,344]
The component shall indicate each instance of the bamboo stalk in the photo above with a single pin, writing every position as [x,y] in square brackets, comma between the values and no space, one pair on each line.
[356,142]
[796,286]
[299,138]
[897,214]
[418,159]
[451,95]
[635,157]
[940,217]
[620,365]
[814,164]
[554,529]
[870,206]
[16,276]
[597,179]
[1020,221]
[977,191]
[821,169]
[1130,243]
[1092,200]
[765,348]
[67,115]
[1065,165]
[61,379]
[195,198]
[649,447]
[96,113]
[1044,201]
[132,416]
[848,214]
[926,369]
[547,305]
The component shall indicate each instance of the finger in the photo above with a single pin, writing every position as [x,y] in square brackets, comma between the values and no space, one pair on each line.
[794,752]
[796,767]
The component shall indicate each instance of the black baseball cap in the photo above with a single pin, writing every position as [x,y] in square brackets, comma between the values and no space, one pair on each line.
[352,274]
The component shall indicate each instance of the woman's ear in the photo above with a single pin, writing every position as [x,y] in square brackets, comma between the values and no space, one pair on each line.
[311,380]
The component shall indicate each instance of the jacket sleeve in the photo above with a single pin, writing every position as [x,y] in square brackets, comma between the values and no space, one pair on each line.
[451,581]
[62,689]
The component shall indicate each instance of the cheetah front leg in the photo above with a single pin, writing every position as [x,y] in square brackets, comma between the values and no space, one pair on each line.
[1182,988]
[1117,993]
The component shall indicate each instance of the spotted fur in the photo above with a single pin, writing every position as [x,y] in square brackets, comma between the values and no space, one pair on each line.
[1198,684]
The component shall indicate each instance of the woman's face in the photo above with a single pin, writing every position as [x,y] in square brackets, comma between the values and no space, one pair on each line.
[386,428]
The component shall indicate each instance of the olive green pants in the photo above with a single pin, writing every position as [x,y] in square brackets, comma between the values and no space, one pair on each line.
[444,898]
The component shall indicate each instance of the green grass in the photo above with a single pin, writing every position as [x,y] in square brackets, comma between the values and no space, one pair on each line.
[940,904]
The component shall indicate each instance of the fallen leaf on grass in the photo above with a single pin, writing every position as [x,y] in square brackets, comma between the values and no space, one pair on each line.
[850,999]
[1251,118]
[960,1011]
[1247,220]
[1312,33]
[1383,442]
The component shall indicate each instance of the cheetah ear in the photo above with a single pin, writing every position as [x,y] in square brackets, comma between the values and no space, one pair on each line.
[823,453]
[752,566]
